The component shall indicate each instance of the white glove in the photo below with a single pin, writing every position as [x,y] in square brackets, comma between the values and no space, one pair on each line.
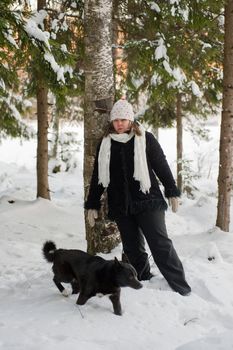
[173,202]
[92,214]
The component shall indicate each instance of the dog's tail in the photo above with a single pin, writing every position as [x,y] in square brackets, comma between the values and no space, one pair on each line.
[48,250]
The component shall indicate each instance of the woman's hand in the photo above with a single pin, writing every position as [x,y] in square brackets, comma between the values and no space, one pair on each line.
[92,215]
[173,202]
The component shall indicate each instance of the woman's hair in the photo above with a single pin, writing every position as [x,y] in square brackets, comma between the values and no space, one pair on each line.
[110,129]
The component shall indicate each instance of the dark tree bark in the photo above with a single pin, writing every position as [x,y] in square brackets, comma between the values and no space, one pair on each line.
[226,136]
[42,123]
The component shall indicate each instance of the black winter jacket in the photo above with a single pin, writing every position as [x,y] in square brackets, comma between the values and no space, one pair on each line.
[124,195]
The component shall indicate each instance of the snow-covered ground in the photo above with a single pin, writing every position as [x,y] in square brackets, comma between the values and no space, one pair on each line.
[33,315]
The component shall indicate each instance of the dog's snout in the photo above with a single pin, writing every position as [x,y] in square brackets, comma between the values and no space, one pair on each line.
[139,285]
[136,284]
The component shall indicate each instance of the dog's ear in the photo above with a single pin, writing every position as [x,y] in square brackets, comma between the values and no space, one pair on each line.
[124,258]
[117,262]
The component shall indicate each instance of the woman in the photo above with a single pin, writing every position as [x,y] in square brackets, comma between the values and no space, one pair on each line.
[127,164]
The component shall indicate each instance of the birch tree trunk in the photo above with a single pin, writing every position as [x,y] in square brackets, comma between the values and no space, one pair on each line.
[99,97]
[179,142]
[226,134]
[42,123]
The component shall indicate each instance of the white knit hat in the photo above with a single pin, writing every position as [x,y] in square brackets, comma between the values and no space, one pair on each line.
[122,109]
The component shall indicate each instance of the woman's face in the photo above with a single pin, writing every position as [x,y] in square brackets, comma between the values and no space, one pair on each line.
[121,125]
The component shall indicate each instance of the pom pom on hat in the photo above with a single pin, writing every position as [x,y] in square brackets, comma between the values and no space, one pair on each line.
[122,109]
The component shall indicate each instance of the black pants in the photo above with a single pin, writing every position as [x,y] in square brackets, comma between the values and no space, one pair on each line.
[151,225]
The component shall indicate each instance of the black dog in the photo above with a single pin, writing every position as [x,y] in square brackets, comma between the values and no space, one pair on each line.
[90,275]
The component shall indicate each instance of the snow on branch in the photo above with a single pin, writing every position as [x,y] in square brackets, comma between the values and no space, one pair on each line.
[195,89]
[161,50]
[154,6]
[27,130]
[59,70]
[33,30]
[9,38]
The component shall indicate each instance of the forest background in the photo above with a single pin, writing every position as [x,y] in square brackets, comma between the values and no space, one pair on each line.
[72,59]
[62,65]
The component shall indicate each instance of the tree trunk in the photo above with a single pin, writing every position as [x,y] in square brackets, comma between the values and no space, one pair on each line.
[226,134]
[42,123]
[179,142]
[117,40]
[42,143]
[99,97]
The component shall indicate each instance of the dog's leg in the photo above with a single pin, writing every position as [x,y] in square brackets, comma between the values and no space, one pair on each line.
[115,299]
[86,290]
[82,299]
[60,287]
[75,286]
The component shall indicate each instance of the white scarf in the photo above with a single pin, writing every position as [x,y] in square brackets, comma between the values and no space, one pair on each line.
[141,172]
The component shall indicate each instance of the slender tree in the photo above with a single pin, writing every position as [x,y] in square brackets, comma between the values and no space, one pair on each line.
[42,127]
[226,137]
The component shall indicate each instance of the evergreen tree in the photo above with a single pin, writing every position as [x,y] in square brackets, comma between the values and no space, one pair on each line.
[37,44]
[68,102]
[45,77]
[12,33]
[173,51]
